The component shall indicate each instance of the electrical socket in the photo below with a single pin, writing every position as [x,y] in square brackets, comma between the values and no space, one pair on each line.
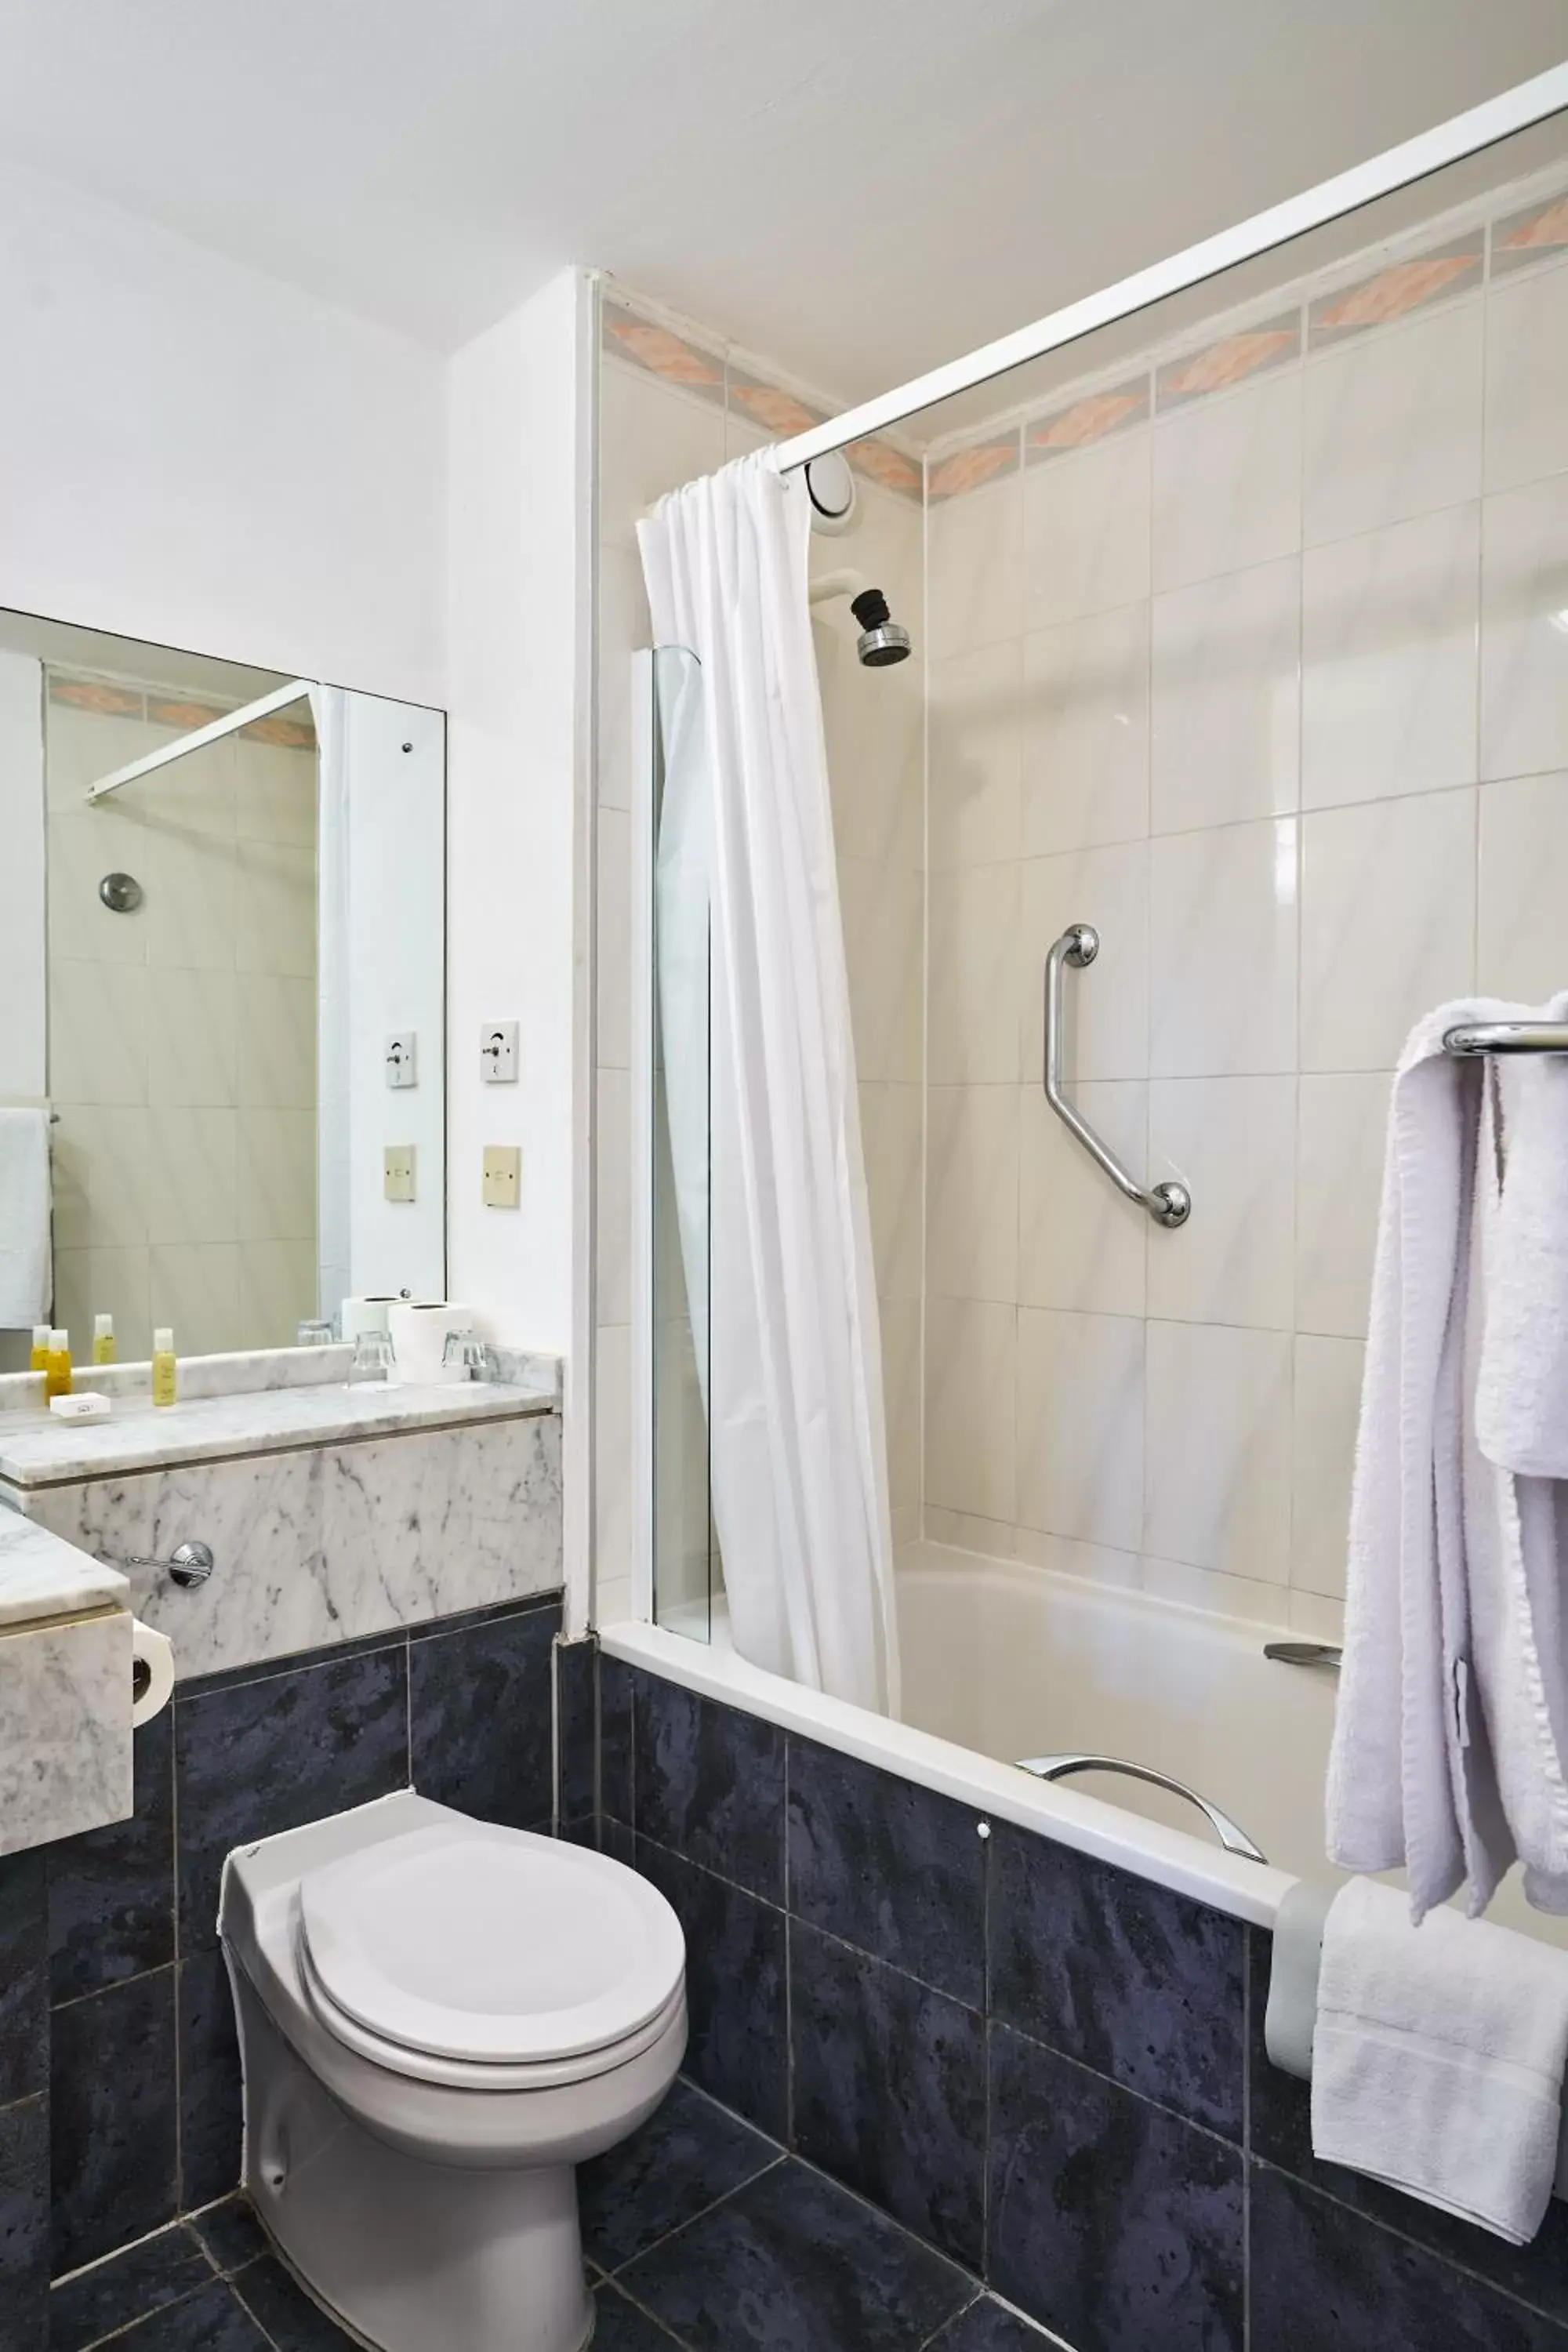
[502,1175]
[399,1168]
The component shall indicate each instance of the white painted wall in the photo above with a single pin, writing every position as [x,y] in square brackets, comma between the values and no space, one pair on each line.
[195,453]
[518,554]
[22,966]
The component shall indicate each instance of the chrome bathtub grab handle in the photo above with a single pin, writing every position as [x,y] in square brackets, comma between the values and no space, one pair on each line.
[1168,1204]
[1059,1768]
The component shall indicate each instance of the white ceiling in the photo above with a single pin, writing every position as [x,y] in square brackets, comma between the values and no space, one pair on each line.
[856,192]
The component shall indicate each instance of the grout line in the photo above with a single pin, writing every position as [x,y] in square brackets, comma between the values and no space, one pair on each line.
[100,1993]
[702,2212]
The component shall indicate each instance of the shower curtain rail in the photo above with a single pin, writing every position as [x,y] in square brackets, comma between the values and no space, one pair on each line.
[1169,1204]
[1398,167]
[199,737]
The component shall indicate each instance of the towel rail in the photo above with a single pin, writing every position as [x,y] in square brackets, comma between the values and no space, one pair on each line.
[1168,1204]
[1506,1037]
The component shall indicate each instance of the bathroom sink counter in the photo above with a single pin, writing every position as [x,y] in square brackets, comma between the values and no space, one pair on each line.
[42,1452]
[43,1577]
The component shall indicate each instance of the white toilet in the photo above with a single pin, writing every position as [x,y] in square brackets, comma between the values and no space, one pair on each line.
[439,2021]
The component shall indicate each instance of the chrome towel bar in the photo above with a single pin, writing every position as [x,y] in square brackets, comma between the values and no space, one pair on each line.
[1061,1768]
[1506,1037]
[1168,1204]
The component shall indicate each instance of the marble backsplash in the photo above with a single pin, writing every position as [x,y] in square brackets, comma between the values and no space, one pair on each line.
[326,1543]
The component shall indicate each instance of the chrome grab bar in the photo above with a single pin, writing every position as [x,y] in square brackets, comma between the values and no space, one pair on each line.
[1506,1037]
[1168,1204]
[1059,1768]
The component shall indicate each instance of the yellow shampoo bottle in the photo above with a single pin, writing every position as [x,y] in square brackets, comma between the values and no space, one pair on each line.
[58,1374]
[103,1338]
[163,1380]
[39,1360]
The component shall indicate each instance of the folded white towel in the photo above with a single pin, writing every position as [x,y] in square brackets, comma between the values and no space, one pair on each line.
[24,1284]
[1437,2058]
[1521,1395]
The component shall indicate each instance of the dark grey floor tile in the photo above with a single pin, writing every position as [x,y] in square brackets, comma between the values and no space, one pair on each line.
[890,2091]
[620,2326]
[111,1890]
[211,2320]
[1327,2280]
[211,2119]
[1113,2223]
[231,2233]
[270,1756]
[889,1866]
[683,2158]
[25,2225]
[987,2327]
[1141,1984]
[112,2118]
[1282,2137]
[293,2323]
[125,2287]
[710,1784]
[24,1977]
[479,1717]
[794,2265]
[737,2047]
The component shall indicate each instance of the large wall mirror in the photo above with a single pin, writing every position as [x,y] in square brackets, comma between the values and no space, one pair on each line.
[222,995]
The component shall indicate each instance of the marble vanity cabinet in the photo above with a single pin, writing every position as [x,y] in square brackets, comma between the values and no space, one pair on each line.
[65,1689]
[330,1512]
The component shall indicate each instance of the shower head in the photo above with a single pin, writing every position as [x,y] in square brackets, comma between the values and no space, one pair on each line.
[883,640]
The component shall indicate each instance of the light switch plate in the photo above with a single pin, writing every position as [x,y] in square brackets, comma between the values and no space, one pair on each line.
[403,1058]
[399,1166]
[498,1052]
[503,1175]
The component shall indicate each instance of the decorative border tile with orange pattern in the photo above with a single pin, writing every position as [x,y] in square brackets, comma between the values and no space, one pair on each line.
[972,468]
[1230,360]
[1093,417]
[1539,232]
[109,701]
[1398,289]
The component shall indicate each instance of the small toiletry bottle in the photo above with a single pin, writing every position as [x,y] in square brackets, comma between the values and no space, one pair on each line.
[39,1360]
[162,1365]
[57,1375]
[103,1338]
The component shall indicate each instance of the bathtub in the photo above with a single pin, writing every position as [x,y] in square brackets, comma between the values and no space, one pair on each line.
[1003,1662]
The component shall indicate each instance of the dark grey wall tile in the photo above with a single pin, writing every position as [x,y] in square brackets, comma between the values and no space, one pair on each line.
[1282,2135]
[987,2327]
[791,2264]
[1326,2280]
[1139,1983]
[1112,2222]
[25,2225]
[24,1977]
[111,1891]
[576,1672]
[124,2288]
[112,2121]
[889,1866]
[272,1754]
[735,1995]
[890,2091]
[710,1784]
[683,2159]
[617,1687]
[479,1717]
[211,2121]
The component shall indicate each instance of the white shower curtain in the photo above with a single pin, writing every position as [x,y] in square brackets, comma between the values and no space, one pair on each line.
[794,1370]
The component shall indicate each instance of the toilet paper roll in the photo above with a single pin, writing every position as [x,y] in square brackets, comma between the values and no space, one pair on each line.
[151,1656]
[420,1328]
[359,1314]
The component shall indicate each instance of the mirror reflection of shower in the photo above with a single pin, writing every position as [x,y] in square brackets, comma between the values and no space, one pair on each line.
[830,484]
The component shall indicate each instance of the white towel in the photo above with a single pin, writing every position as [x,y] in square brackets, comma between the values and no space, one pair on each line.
[1437,2058]
[1522,1398]
[24,1284]
[1452,1724]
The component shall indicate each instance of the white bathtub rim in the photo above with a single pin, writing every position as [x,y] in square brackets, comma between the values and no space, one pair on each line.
[1186,1865]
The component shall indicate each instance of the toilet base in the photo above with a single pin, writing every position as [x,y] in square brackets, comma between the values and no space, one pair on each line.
[408,2256]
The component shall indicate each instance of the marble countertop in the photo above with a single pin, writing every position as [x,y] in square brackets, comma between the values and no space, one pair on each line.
[43,1577]
[40,1451]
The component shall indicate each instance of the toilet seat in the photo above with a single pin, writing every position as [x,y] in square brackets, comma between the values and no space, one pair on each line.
[476,1956]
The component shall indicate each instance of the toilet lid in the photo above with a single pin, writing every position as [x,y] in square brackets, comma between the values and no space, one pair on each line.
[469,1941]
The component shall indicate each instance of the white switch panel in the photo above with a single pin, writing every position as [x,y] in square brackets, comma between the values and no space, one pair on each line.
[399,1171]
[498,1052]
[403,1058]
